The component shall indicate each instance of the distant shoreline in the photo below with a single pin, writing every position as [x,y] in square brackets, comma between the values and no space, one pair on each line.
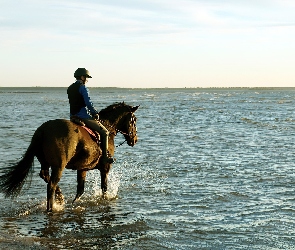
[38,90]
[166,88]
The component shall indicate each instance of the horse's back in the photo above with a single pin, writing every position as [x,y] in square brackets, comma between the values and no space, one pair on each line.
[58,126]
[64,141]
[59,139]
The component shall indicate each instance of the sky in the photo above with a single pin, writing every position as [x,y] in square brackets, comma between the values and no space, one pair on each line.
[148,43]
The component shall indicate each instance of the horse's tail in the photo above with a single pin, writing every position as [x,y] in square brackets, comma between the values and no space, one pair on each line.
[13,180]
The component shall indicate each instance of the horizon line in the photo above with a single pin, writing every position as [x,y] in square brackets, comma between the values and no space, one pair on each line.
[269,87]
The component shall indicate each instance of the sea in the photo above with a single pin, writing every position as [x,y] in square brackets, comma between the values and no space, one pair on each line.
[212,169]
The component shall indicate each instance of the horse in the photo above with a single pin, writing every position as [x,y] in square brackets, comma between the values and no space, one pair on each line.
[60,144]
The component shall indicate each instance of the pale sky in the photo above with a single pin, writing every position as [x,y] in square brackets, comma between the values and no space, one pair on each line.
[148,43]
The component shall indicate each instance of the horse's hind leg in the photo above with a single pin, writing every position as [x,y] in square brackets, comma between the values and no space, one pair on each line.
[81,176]
[52,186]
[44,174]
[59,198]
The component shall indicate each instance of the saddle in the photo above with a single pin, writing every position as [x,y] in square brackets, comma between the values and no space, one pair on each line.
[95,136]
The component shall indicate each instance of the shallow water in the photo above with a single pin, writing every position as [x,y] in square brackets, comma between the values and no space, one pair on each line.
[213,169]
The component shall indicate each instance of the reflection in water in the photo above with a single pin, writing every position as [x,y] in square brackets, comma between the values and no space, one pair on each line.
[76,220]
[99,225]
[88,223]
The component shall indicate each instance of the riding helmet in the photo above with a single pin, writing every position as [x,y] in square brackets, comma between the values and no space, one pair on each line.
[82,72]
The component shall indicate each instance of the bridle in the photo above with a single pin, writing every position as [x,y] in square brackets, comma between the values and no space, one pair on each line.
[120,131]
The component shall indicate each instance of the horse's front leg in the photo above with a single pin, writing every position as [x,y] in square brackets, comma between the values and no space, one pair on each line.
[81,176]
[104,180]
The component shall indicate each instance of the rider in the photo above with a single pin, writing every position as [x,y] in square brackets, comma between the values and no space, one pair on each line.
[81,106]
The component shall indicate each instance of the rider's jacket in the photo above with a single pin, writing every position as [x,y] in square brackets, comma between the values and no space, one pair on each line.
[80,101]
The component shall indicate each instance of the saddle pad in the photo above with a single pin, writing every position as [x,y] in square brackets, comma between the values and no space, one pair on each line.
[93,135]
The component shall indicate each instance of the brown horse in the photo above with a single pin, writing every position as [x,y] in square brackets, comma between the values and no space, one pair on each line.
[60,144]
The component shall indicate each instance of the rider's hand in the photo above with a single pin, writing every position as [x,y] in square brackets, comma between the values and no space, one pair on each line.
[95,116]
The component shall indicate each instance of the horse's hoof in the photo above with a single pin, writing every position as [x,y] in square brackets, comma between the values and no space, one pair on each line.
[104,195]
[59,199]
[77,198]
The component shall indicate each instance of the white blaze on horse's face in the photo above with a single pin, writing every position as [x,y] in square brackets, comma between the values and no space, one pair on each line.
[132,131]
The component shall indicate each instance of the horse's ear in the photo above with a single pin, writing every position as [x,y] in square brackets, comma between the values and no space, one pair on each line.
[133,109]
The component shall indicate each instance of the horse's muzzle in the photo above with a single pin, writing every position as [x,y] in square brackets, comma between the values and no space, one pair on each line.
[132,142]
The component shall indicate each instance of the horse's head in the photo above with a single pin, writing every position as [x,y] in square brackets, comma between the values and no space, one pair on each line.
[129,127]
[121,117]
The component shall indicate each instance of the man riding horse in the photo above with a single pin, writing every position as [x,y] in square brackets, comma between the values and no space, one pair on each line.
[81,105]
[59,144]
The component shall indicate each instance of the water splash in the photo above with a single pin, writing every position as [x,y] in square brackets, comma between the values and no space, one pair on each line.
[34,206]
[93,183]
[58,207]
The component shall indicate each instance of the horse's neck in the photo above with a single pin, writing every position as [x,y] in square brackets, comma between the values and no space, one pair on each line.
[112,133]
[111,127]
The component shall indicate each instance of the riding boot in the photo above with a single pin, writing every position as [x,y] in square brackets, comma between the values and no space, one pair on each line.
[106,158]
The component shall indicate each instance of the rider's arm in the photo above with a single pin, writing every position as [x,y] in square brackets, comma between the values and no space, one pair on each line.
[85,93]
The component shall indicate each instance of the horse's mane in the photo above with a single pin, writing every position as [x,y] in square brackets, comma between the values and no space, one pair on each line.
[114,110]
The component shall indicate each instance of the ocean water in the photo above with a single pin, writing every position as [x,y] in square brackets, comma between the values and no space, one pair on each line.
[212,169]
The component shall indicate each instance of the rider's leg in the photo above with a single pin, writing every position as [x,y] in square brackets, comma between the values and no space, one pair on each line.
[104,133]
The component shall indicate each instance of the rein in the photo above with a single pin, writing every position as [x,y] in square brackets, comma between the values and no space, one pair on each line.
[117,130]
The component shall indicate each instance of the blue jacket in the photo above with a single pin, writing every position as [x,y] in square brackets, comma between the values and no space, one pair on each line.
[88,109]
